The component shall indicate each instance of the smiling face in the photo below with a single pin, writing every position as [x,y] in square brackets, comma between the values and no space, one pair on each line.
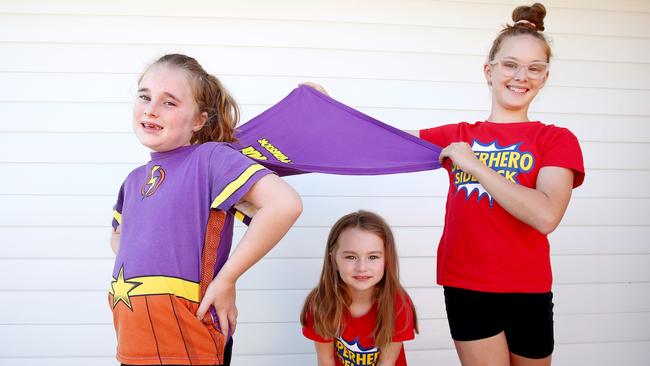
[165,114]
[512,94]
[360,260]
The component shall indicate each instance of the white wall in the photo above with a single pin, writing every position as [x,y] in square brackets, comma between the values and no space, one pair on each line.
[67,76]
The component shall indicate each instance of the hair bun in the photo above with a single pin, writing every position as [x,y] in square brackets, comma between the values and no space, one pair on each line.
[530,16]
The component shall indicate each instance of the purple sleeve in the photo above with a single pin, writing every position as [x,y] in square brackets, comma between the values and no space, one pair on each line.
[232,175]
[117,209]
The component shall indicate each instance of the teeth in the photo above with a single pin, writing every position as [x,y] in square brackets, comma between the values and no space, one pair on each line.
[151,125]
[517,90]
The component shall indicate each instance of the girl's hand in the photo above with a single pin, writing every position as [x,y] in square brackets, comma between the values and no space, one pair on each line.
[220,294]
[461,154]
[313,85]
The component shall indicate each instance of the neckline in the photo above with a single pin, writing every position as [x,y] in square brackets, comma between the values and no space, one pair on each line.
[179,151]
[515,123]
[372,309]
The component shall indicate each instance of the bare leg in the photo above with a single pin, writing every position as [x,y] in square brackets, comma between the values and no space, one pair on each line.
[492,351]
[516,360]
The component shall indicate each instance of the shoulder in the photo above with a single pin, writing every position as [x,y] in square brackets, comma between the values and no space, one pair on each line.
[136,173]
[552,130]
[219,153]
[443,134]
[403,305]
[212,147]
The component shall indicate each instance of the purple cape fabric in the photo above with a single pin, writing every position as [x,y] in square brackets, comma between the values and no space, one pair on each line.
[309,132]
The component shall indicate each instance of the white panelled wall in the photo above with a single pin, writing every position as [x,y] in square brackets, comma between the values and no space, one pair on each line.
[68,73]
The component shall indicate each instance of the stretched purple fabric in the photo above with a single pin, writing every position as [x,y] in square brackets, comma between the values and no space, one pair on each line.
[309,132]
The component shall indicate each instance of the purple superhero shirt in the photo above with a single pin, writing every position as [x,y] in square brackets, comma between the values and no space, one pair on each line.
[175,236]
[308,131]
[165,206]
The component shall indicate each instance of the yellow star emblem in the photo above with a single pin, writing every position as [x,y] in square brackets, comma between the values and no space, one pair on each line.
[121,289]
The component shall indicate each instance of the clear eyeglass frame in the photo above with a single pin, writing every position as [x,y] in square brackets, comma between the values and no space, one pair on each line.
[534,70]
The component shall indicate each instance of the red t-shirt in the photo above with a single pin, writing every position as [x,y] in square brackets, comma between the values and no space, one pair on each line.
[356,345]
[483,247]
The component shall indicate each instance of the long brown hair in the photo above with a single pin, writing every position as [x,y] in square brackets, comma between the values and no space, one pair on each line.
[329,301]
[211,97]
[529,20]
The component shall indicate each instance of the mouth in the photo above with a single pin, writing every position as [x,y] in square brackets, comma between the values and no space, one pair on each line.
[518,90]
[151,126]
[361,278]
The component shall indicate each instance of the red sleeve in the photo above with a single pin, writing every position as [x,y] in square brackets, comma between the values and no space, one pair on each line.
[563,150]
[309,332]
[404,319]
[441,136]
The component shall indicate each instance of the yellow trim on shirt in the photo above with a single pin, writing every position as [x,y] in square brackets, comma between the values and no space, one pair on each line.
[117,216]
[239,215]
[233,186]
[159,285]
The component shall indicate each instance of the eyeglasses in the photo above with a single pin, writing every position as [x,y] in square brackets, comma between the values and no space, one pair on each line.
[534,70]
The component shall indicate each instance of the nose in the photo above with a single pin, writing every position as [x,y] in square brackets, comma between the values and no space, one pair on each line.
[150,110]
[522,73]
[362,265]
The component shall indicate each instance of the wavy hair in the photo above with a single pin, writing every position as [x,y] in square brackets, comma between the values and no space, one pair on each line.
[328,302]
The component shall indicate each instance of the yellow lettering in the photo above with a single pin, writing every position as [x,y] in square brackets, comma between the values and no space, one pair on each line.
[494,159]
[504,159]
[274,151]
[526,162]
[253,154]
[510,175]
[514,160]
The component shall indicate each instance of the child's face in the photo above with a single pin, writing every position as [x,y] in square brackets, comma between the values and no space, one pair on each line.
[360,260]
[516,91]
[165,114]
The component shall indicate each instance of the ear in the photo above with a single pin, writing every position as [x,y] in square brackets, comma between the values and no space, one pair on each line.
[200,121]
[487,71]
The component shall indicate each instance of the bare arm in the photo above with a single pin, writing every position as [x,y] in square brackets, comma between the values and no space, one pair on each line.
[325,353]
[542,207]
[389,354]
[278,207]
[115,239]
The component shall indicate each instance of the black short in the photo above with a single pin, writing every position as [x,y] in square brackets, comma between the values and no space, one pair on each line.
[526,319]
[227,354]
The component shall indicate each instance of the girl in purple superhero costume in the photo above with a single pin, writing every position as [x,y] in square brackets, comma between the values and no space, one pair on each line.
[179,113]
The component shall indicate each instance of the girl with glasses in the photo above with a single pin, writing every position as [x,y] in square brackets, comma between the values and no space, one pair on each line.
[510,181]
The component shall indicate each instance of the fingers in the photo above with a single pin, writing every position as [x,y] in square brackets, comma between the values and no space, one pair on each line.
[224,322]
[232,321]
[203,308]
[316,86]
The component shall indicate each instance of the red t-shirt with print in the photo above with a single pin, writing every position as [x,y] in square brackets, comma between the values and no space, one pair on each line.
[483,247]
[356,345]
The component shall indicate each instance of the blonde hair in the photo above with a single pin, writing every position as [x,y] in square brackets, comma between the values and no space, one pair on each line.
[210,96]
[328,302]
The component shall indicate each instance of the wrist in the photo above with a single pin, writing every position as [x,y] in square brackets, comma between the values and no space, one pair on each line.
[475,167]
[226,276]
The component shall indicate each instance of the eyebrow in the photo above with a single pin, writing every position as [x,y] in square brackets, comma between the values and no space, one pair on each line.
[516,59]
[165,93]
[353,252]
